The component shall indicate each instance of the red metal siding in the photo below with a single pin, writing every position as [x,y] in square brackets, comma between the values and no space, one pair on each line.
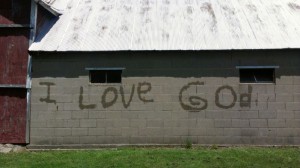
[13,55]
[14,43]
[12,115]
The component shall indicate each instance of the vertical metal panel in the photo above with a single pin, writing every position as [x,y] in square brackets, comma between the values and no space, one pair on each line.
[12,115]
[13,54]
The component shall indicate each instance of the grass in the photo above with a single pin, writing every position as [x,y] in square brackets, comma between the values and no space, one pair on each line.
[158,157]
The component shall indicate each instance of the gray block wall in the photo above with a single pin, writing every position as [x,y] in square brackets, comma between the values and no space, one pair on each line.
[165,98]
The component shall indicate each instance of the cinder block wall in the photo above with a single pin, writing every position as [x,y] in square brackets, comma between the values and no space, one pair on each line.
[165,98]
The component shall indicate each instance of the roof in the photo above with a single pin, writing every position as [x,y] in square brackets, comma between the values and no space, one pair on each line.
[116,25]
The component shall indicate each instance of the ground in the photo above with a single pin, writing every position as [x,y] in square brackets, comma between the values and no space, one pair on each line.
[157,157]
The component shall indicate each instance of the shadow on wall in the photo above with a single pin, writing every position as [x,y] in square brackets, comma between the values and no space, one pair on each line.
[183,64]
[45,21]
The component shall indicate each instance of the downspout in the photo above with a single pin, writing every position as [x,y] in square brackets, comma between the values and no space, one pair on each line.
[33,17]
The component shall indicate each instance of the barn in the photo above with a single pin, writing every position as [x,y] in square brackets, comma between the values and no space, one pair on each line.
[166,72]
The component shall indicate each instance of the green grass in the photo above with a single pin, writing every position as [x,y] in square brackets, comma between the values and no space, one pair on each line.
[158,157]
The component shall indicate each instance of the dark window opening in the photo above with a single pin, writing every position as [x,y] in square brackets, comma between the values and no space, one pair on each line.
[105,76]
[257,75]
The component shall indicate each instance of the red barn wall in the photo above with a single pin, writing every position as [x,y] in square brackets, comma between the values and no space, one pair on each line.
[14,43]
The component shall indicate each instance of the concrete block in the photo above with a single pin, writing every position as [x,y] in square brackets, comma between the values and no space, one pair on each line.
[88,140]
[96,131]
[276,123]
[72,123]
[41,140]
[80,114]
[113,114]
[178,115]
[258,123]
[285,132]
[155,140]
[267,132]
[267,114]
[231,114]
[174,123]
[96,114]
[63,115]
[53,123]
[296,88]
[42,132]
[105,139]
[259,106]
[120,140]
[62,98]
[121,123]
[79,131]
[240,123]
[292,106]
[296,97]
[151,132]
[296,80]
[205,123]
[249,114]
[285,114]
[285,80]
[214,114]
[187,123]
[230,81]
[173,140]
[232,132]
[70,140]
[195,132]
[293,123]
[105,123]
[196,115]
[61,132]
[168,131]
[157,115]
[265,97]
[192,139]
[260,89]
[88,123]
[130,114]
[276,106]
[45,115]
[113,131]
[215,131]
[130,132]
[55,107]
[180,131]
[155,123]
[297,114]
[38,124]
[71,107]
[284,97]
[249,132]
[222,123]
[36,107]
[138,140]
[284,89]
[138,123]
